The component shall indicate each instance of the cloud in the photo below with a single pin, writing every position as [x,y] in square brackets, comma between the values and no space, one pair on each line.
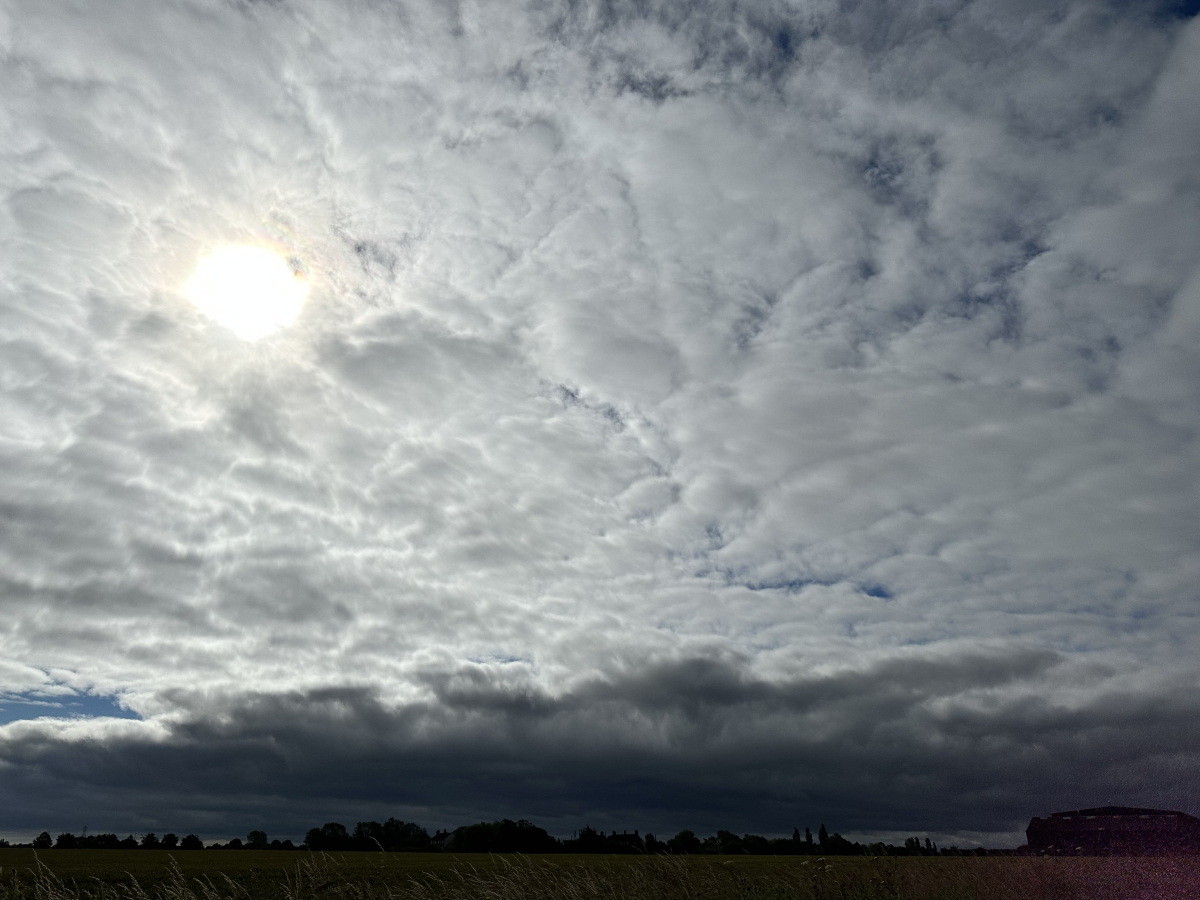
[708,413]
[919,743]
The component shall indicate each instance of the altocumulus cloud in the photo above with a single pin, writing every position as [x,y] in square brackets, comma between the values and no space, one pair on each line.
[703,414]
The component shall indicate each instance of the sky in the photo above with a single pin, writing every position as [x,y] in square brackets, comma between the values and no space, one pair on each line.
[706,414]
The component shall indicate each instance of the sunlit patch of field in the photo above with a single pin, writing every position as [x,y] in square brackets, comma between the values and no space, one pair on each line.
[251,875]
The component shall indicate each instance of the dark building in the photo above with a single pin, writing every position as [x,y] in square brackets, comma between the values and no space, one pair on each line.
[1116,831]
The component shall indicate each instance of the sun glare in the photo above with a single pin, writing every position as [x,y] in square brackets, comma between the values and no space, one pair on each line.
[249,290]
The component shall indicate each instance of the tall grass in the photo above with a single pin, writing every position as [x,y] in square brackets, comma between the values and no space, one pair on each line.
[319,877]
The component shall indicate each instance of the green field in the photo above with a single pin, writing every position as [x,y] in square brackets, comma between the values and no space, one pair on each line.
[247,874]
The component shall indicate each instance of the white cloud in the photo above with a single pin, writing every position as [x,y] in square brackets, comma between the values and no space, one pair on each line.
[813,341]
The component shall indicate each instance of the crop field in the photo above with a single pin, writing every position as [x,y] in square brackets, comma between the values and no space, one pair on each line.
[250,875]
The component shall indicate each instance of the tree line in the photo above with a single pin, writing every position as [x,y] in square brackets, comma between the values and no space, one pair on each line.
[508,836]
[257,840]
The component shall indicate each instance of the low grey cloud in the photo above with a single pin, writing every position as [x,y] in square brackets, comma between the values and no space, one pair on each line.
[955,745]
[702,415]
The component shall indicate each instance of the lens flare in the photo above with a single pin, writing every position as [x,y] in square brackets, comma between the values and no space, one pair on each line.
[249,290]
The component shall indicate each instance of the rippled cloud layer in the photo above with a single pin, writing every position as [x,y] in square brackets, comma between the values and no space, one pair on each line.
[702,415]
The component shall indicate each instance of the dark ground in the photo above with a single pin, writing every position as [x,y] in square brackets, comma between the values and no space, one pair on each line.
[375,876]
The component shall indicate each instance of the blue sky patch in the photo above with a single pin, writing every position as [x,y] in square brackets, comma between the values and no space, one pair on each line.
[84,706]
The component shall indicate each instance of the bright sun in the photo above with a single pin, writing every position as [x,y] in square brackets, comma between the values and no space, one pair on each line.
[250,290]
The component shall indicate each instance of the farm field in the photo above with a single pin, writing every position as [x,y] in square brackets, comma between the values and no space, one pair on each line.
[249,875]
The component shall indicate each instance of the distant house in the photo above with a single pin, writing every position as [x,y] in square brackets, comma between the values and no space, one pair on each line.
[1114,831]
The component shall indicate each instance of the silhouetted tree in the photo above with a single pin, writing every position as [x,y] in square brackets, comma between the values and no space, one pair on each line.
[822,837]
[330,836]
[43,841]
[150,841]
[505,836]
[757,844]
[399,835]
[728,842]
[654,845]
[130,843]
[257,840]
[367,837]
[808,840]
[191,842]
[169,841]
[777,846]
[66,841]
[391,835]
[107,841]
[839,846]
[685,842]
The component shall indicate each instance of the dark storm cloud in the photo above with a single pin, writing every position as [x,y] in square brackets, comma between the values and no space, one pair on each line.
[703,414]
[908,741]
